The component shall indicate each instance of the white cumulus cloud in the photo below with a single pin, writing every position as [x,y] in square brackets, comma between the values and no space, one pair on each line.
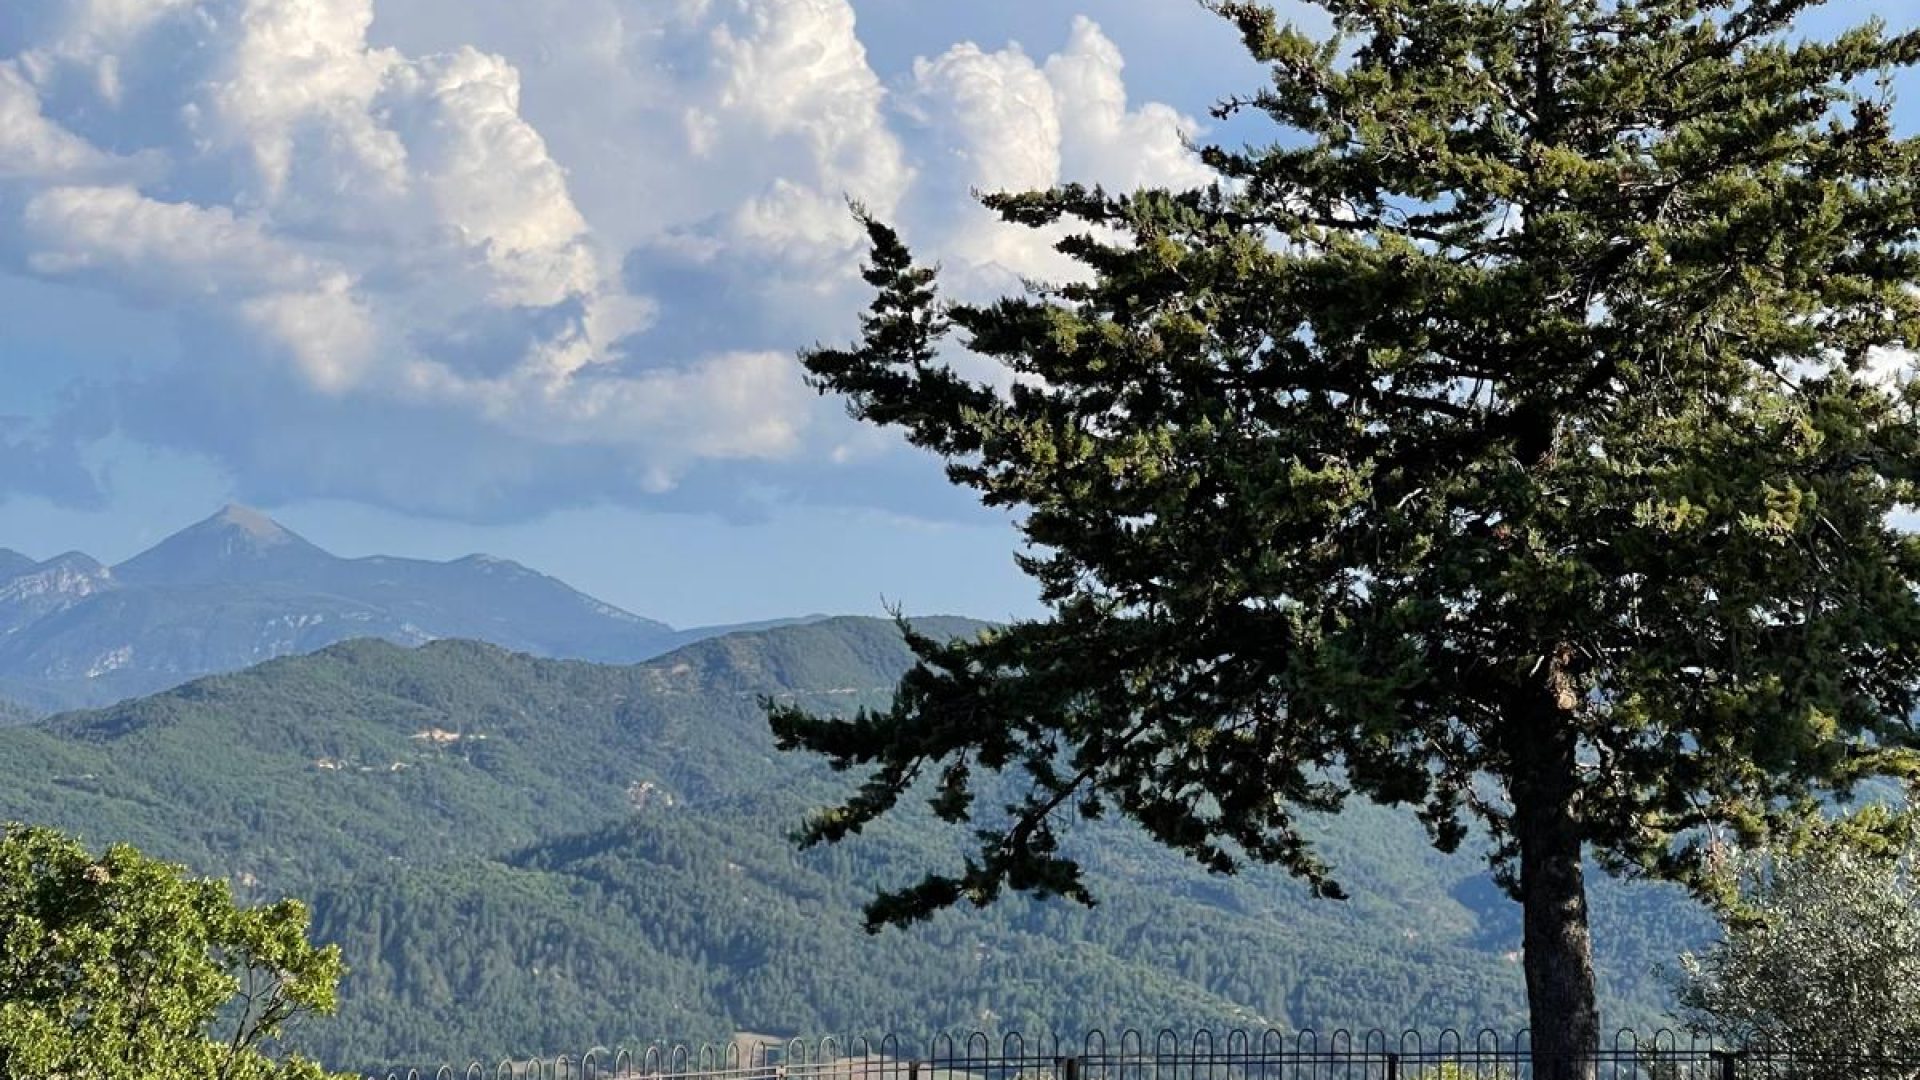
[488,258]
[1000,121]
[31,146]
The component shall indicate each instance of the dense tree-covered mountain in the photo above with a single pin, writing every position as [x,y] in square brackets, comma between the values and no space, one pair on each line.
[524,854]
[238,588]
[692,922]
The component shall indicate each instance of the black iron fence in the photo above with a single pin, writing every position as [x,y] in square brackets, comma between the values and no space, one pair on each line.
[1132,1055]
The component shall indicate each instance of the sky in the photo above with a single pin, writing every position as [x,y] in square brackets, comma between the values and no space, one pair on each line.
[431,277]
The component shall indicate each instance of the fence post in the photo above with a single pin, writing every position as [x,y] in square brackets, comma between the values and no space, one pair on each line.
[1070,1068]
[1393,1066]
[913,1069]
[1727,1069]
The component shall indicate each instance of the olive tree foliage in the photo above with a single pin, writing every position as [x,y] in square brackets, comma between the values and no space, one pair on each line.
[1500,440]
[1820,947]
[122,967]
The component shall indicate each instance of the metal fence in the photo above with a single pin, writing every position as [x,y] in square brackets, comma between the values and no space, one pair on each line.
[1132,1055]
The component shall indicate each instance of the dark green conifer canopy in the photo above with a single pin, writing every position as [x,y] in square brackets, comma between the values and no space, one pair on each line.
[1545,334]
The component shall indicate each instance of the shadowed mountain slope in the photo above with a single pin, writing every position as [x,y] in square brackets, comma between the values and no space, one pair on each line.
[13,564]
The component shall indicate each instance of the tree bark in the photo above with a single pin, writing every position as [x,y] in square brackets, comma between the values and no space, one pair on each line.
[1563,1011]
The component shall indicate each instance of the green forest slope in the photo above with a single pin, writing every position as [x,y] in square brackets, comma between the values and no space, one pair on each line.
[530,855]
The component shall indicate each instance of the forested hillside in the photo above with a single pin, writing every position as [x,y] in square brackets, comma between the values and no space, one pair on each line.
[527,855]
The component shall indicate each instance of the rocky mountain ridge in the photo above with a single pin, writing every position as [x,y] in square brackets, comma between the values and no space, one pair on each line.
[240,588]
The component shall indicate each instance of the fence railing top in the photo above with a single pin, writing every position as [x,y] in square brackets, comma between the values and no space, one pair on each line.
[1017,1056]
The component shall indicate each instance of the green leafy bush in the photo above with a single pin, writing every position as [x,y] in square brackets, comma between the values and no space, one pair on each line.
[122,967]
[1820,953]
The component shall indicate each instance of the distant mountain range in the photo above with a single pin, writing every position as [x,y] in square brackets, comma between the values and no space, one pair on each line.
[239,588]
[530,856]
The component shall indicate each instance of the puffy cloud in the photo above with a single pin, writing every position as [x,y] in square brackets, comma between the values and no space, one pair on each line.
[1121,147]
[993,116]
[31,146]
[1891,368]
[999,121]
[485,258]
[796,70]
[165,250]
[362,225]
[486,173]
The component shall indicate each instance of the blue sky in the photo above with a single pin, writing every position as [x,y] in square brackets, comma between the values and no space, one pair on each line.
[427,277]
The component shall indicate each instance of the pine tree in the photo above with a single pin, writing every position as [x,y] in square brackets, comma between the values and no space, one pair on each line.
[1509,439]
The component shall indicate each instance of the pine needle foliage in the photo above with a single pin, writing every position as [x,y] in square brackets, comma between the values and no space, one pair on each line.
[1509,439]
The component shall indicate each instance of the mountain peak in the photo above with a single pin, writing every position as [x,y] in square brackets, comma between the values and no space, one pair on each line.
[47,587]
[73,561]
[251,522]
[13,564]
[236,544]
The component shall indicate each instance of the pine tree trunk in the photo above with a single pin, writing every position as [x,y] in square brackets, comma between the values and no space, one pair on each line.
[1562,1008]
